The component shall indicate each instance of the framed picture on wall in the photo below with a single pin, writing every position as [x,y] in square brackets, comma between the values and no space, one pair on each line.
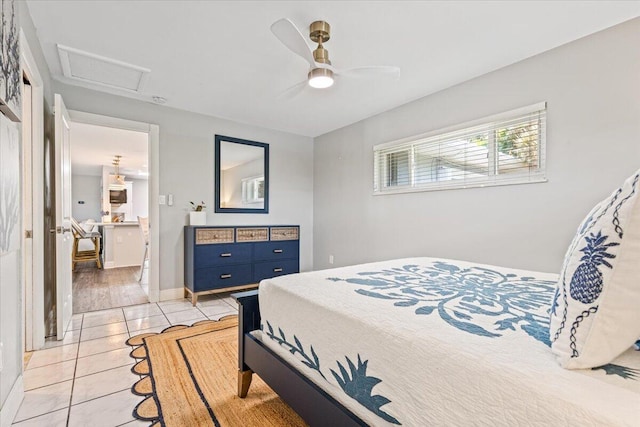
[10,72]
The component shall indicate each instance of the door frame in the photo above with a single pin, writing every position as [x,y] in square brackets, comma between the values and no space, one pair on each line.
[33,263]
[153,151]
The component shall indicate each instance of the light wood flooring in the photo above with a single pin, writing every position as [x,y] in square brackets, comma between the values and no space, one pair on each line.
[95,289]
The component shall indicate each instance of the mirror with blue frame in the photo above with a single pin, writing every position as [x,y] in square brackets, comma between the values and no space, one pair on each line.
[242,175]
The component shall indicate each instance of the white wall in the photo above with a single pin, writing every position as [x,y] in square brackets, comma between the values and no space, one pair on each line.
[592,87]
[140,198]
[87,189]
[187,172]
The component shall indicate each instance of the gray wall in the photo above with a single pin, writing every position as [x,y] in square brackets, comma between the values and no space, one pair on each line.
[87,189]
[187,169]
[592,87]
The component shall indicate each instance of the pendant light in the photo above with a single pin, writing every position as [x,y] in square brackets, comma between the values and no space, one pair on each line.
[118,183]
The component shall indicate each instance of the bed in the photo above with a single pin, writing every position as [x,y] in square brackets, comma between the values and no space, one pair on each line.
[424,341]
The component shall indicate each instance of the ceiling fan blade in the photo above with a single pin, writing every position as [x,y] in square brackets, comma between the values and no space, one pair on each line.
[370,70]
[293,91]
[291,37]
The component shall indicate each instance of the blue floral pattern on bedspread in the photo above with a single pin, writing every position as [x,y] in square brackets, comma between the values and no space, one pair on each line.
[355,383]
[477,300]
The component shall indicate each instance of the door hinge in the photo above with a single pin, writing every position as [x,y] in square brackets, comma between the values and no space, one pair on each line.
[28,234]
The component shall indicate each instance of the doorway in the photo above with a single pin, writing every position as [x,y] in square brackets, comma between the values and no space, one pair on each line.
[151,272]
[110,204]
[152,277]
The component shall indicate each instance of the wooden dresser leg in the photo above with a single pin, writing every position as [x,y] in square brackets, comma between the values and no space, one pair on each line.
[194,298]
[244,381]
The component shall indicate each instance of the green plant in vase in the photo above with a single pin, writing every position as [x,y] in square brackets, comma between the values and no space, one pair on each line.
[198,207]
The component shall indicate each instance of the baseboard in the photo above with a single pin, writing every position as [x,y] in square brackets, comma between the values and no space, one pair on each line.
[169,294]
[12,404]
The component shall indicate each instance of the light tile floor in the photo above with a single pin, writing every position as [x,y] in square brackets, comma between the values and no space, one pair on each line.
[86,379]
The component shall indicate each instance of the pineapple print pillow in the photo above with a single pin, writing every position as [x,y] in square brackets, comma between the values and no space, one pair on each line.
[594,313]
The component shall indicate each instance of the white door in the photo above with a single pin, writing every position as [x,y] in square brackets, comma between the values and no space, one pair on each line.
[64,238]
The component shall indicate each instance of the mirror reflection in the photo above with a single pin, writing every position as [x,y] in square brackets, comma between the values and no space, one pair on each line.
[242,175]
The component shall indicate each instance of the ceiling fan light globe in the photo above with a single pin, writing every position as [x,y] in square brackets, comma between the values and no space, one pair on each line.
[320,78]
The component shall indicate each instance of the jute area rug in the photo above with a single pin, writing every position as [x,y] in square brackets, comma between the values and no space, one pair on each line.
[190,379]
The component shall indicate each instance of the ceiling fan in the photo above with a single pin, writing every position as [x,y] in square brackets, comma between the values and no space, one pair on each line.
[322,72]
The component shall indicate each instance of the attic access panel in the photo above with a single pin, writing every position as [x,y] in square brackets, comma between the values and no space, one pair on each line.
[100,70]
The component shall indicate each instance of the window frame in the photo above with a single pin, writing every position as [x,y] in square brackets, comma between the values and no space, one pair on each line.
[381,187]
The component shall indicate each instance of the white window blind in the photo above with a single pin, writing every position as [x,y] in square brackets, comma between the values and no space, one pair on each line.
[507,148]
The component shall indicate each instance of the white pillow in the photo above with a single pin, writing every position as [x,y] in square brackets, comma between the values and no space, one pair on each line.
[594,314]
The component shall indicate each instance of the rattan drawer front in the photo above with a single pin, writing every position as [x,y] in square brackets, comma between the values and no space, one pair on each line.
[252,234]
[207,236]
[285,233]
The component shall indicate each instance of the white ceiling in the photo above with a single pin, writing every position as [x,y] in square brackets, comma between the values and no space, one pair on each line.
[220,58]
[95,146]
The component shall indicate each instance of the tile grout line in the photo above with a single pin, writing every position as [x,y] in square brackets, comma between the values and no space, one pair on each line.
[30,368]
[100,397]
[164,314]
[125,322]
[105,370]
[75,368]
[18,423]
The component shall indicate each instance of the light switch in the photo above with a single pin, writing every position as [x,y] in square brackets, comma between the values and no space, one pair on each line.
[170,199]
[162,200]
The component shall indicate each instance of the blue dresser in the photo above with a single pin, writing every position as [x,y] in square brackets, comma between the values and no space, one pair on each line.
[221,259]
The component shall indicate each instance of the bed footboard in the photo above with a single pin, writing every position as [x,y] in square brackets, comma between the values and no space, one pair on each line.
[248,320]
[313,404]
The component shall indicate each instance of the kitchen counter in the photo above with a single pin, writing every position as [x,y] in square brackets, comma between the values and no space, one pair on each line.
[123,245]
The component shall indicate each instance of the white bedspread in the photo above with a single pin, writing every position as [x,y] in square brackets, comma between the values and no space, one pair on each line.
[423,341]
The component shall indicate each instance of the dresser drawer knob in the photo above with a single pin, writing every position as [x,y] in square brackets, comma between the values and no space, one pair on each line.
[277,251]
[277,270]
[227,255]
[225,276]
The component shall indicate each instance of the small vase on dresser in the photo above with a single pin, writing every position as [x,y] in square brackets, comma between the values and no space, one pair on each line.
[197,218]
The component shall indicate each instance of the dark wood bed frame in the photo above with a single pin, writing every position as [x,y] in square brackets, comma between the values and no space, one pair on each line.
[312,403]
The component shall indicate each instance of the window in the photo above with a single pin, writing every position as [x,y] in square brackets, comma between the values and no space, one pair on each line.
[253,189]
[507,148]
